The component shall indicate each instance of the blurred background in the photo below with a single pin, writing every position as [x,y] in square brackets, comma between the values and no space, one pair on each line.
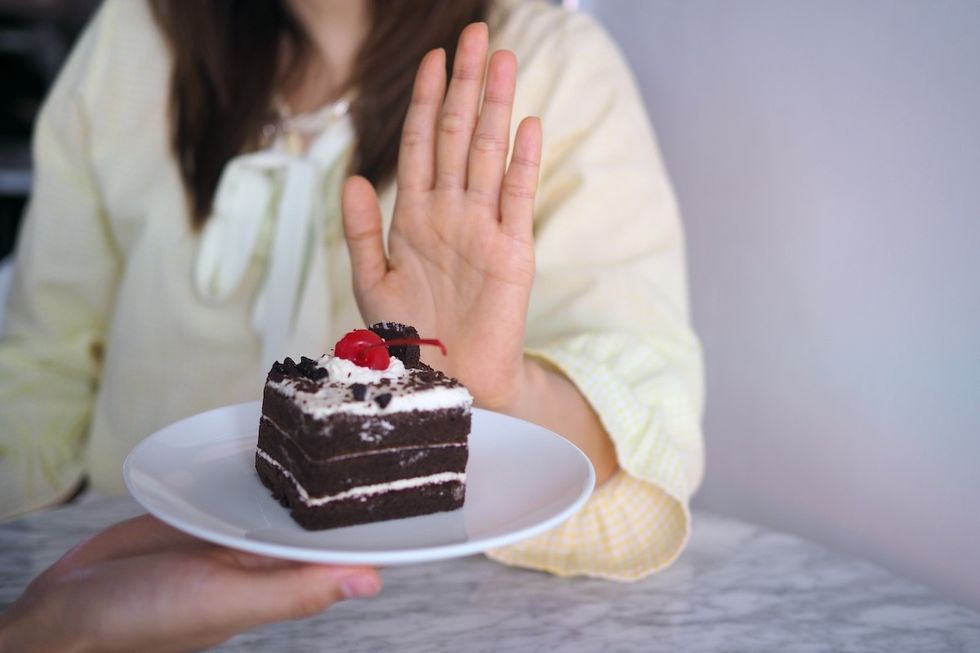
[826,157]
[35,37]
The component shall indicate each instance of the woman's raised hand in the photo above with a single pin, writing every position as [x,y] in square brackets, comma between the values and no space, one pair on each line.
[460,260]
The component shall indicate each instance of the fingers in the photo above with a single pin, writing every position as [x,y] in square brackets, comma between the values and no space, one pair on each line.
[488,151]
[192,600]
[521,181]
[417,151]
[458,116]
[461,145]
[362,230]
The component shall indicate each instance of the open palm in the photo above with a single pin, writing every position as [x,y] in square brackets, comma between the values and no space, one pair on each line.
[460,260]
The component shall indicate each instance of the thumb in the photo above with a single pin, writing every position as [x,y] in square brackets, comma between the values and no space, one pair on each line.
[303,590]
[362,230]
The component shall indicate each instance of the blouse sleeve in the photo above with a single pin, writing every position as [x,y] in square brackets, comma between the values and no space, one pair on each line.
[65,273]
[609,306]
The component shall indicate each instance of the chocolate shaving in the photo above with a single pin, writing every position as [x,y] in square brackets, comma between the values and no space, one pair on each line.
[318,374]
[408,354]
[308,368]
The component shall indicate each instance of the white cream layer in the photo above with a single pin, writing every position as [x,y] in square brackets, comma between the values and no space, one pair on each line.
[363,490]
[330,398]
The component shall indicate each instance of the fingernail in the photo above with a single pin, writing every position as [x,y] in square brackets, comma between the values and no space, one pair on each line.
[359,586]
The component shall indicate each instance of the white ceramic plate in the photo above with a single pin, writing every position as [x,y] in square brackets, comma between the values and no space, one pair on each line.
[198,475]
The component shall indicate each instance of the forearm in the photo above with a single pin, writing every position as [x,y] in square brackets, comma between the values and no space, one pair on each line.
[43,418]
[551,400]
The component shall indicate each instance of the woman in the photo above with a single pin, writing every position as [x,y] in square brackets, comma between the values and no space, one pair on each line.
[186,229]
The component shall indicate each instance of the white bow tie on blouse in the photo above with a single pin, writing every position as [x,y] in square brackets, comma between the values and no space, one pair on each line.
[278,187]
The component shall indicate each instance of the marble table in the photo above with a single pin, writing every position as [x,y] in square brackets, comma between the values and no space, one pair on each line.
[737,588]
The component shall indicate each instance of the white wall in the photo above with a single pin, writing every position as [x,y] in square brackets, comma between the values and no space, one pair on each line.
[826,157]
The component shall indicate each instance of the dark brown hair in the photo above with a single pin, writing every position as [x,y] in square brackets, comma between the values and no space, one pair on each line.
[229,62]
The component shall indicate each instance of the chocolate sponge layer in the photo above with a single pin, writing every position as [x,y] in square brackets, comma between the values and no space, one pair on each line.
[338,474]
[423,500]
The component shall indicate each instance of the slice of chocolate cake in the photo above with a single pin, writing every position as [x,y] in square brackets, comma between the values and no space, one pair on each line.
[361,436]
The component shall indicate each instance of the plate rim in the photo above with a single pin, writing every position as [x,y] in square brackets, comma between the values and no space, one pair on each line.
[346,556]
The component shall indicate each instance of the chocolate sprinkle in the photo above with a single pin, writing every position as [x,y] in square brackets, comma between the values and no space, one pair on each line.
[318,374]
[307,368]
[306,385]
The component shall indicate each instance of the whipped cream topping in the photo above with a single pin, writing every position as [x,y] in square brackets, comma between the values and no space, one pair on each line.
[352,389]
[344,371]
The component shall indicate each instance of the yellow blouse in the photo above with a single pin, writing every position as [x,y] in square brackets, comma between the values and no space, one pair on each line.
[108,337]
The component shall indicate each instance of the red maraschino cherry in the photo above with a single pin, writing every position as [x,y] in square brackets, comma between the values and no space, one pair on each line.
[367,349]
[361,348]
